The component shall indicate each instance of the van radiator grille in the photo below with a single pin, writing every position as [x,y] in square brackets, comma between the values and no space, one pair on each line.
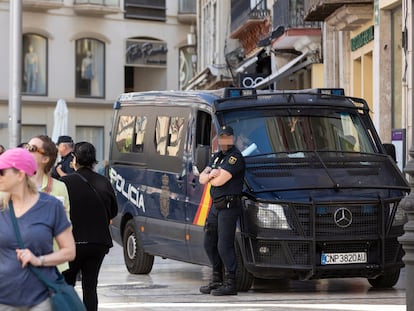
[366,220]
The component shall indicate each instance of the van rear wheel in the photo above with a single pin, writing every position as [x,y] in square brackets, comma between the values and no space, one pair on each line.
[386,280]
[136,260]
[244,278]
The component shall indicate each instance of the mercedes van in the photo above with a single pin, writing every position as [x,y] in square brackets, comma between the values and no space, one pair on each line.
[321,191]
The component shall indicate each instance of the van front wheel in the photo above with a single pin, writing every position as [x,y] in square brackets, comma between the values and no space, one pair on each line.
[136,260]
[386,280]
[244,278]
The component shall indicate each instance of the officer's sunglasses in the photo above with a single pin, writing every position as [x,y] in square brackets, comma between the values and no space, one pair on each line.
[34,148]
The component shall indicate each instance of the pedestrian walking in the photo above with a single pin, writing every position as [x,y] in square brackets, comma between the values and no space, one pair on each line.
[40,218]
[225,173]
[92,206]
[44,151]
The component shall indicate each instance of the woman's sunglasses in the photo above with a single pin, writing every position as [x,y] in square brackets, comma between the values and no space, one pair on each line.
[3,171]
[33,148]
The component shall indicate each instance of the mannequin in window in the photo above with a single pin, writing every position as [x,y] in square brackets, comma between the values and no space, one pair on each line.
[86,69]
[31,69]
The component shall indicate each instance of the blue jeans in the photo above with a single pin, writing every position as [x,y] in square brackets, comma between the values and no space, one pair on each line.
[219,237]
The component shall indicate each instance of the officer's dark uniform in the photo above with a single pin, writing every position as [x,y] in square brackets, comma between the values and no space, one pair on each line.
[64,161]
[221,224]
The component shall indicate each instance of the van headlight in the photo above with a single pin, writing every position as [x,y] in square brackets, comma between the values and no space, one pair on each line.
[400,217]
[272,216]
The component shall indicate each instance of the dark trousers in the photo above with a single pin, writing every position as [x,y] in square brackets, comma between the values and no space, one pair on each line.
[88,261]
[219,237]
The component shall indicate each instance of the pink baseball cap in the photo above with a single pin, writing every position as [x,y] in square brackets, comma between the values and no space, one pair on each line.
[20,159]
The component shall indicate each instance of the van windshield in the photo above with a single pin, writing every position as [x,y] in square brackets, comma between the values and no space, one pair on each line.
[267,132]
[309,149]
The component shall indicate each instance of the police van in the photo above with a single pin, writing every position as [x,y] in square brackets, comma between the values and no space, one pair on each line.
[321,191]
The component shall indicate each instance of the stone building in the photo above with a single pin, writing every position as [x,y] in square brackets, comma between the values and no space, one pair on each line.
[87,53]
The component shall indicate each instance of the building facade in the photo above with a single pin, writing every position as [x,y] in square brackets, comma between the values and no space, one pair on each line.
[367,51]
[362,46]
[87,53]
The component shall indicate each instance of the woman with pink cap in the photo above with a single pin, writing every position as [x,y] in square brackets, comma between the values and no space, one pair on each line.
[40,218]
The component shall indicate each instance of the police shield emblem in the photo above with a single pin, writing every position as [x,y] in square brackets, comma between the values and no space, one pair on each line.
[232,160]
[165,197]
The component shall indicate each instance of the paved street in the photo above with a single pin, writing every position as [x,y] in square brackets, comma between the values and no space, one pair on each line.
[174,286]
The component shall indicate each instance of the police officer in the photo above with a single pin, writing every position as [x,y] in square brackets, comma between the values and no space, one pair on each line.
[64,166]
[225,173]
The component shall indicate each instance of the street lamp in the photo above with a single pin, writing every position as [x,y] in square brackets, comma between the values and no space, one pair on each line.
[407,239]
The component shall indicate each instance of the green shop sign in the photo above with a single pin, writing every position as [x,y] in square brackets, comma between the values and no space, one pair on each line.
[362,38]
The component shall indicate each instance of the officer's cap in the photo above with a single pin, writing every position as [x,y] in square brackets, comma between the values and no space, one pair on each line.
[226,130]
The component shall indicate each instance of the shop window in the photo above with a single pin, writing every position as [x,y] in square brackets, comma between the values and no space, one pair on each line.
[34,64]
[90,68]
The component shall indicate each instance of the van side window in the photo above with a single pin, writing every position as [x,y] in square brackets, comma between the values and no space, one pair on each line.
[139,134]
[130,133]
[203,130]
[168,135]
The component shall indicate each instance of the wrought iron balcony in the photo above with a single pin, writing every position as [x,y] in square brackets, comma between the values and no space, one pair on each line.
[242,14]
[291,14]
[96,7]
[292,32]
[319,10]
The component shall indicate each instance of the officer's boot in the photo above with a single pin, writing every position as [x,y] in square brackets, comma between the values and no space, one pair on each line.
[228,288]
[216,282]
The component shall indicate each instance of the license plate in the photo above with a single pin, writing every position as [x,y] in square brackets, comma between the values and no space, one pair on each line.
[343,258]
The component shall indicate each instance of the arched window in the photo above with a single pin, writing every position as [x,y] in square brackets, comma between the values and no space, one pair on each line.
[90,68]
[34,64]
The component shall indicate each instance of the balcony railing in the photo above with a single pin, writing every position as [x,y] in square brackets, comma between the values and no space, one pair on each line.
[112,3]
[96,7]
[241,12]
[187,7]
[291,14]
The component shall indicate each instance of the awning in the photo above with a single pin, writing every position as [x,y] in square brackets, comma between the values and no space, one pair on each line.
[283,71]
[210,78]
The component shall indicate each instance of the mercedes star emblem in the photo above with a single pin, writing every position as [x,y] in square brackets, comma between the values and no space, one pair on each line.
[343,217]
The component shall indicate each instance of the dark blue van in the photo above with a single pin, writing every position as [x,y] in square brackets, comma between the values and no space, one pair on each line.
[321,191]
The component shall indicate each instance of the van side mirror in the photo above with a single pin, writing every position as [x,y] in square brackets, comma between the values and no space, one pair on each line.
[390,149]
[202,156]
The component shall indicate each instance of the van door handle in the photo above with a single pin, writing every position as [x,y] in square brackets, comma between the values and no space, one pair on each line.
[193,183]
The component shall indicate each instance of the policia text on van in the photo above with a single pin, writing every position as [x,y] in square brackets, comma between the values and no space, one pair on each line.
[320,198]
